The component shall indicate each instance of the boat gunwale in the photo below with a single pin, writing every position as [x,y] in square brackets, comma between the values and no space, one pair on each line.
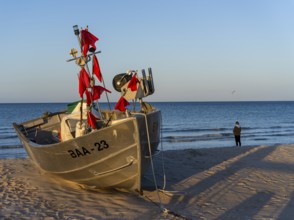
[31,143]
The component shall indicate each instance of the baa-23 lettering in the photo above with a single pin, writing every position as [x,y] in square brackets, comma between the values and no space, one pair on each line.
[83,151]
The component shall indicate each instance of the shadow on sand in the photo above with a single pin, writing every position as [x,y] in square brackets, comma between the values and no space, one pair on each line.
[204,159]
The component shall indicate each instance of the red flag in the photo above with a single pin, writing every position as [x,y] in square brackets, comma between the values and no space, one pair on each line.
[133,83]
[97,91]
[84,81]
[82,87]
[121,104]
[91,120]
[96,68]
[89,97]
[85,77]
[87,39]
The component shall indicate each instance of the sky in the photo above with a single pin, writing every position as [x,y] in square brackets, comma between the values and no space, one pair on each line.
[199,50]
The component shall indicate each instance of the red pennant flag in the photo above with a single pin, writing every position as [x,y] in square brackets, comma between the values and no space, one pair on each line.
[91,120]
[97,91]
[89,97]
[96,68]
[87,39]
[133,83]
[84,81]
[82,87]
[121,104]
[85,77]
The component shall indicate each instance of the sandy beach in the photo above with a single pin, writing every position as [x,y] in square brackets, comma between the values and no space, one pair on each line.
[219,183]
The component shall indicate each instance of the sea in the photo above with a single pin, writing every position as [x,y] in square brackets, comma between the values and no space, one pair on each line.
[185,125]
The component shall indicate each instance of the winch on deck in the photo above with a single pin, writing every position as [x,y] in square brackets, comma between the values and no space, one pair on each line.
[144,85]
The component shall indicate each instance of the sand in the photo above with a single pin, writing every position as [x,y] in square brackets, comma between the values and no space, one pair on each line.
[219,183]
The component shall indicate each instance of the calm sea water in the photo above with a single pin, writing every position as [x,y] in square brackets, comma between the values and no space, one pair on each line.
[185,124]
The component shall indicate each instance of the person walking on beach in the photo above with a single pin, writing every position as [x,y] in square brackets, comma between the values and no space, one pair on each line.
[237,133]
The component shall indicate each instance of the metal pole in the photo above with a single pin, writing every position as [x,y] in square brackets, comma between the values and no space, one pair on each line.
[77,32]
[80,57]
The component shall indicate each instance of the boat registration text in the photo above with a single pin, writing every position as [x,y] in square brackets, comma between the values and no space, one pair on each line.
[84,151]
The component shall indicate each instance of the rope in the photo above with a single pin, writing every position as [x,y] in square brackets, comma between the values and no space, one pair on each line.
[162,157]
[151,161]
[165,211]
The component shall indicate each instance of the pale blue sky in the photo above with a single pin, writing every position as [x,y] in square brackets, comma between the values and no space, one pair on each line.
[199,50]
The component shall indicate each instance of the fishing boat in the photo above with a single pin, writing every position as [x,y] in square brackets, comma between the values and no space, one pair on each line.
[94,147]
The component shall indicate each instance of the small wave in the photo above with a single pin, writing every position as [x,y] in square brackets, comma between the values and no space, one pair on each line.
[8,136]
[2,128]
[223,136]
[259,139]
[268,128]
[203,129]
[269,134]
[194,129]
[282,135]
[7,131]
[205,137]
[275,127]
[255,130]
[10,146]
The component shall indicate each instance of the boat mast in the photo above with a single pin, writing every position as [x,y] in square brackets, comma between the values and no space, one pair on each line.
[86,59]
[77,33]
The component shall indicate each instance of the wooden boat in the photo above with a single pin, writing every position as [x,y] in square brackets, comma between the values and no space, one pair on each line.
[111,150]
